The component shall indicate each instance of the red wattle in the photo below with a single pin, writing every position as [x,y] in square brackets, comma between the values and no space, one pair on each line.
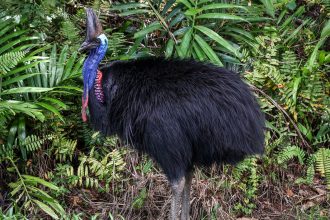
[84,106]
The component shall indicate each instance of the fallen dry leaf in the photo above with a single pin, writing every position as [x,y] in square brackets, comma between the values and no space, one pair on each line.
[289,193]
[320,191]
[307,205]
[75,200]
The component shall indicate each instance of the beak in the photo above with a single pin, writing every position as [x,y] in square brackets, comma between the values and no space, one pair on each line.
[93,30]
[86,46]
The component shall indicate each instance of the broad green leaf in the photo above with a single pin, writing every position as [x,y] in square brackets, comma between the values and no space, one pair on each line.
[216,37]
[6,26]
[46,209]
[25,46]
[60,64]
[227,58]
[16,189]
[269,7]
[150,28]
[222,5]
[31,58]
[52,67]
[199,53]
[78,65]
[180,31]
[39,50]
[208,50]
[242,32]
[13,43]
[40,181]
[25,67]
[21,134]
[296,84]
[186,3]
[296,31]
[169,48]
[51,109]
[176,20]
[56,101]
[258,19]
[23,107]
[192,11]
[295,15]
[57,207]
[221,16]
[12,133]
[281,16]
[167,6]
[12,35]
[178,51]
[135,12]
[24,90]
[128,6]
[72,62]
[69,88]
[173,13]
[18,78]
[326,30]
[325,33]
[185,43]
[37,192]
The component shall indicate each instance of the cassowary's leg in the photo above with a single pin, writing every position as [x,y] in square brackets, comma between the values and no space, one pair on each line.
[186,197]
[177,191]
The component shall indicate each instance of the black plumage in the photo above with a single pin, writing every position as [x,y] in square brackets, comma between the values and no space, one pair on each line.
[180,112]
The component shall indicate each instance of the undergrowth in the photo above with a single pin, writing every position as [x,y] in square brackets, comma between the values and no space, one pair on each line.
[53,165]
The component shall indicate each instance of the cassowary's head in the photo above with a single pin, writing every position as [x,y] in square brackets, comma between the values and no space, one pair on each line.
[96,44]
[94,32]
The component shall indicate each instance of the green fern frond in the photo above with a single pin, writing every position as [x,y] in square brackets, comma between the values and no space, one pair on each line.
[70,31]
[289,153]
[310,173]
[34,143]
[322,157]
[92,170]
[246,175]
[322,139]
[247,165]
[117,42]
[289,63]
[64,148]
[10,60]
[315,92]
[6,151]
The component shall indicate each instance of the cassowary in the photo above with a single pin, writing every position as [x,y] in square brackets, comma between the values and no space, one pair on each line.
[182,113]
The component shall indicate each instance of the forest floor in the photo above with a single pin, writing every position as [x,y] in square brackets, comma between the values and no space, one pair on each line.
[139,196]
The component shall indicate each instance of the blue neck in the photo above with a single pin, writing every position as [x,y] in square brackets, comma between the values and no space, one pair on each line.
[91,64]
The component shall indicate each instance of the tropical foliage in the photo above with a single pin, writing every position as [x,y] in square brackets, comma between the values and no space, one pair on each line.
[53,165]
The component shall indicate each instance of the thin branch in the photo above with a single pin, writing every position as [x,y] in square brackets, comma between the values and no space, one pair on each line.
[305,143]
[162,21]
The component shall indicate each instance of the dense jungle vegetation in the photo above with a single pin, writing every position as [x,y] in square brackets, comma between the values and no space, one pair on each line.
[53,166]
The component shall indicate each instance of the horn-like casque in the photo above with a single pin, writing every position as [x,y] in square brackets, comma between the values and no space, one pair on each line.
[93,30]
[93,25]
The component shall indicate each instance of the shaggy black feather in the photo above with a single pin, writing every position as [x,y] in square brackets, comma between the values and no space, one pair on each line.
[180,112]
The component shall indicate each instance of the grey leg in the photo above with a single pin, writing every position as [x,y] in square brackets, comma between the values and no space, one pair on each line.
[177,191]
[186,197]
